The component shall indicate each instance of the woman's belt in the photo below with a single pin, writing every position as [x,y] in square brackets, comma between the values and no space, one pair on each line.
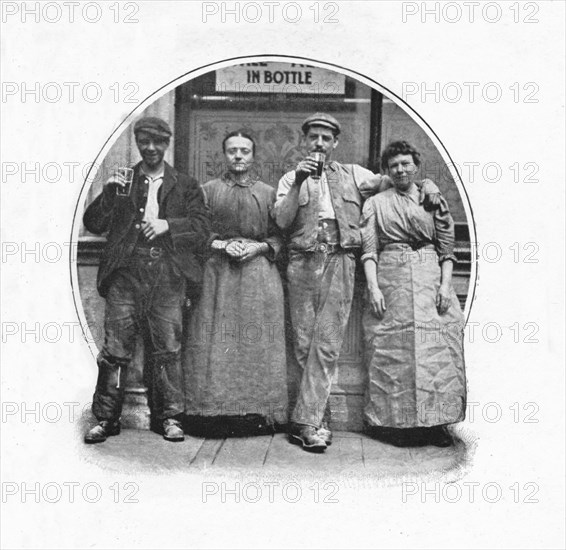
[326,248]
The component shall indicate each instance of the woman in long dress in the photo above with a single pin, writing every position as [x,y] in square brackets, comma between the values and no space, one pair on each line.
[413,324]
[235,367]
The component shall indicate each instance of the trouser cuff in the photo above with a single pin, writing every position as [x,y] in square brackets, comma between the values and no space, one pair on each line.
[108,397]
[167,385]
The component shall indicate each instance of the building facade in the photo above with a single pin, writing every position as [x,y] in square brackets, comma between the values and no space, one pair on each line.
[269,101]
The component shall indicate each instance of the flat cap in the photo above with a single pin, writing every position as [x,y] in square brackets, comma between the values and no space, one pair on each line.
[153,125]
[321,119]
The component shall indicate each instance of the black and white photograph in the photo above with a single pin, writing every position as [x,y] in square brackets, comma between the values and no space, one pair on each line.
[257,272]
[282,274]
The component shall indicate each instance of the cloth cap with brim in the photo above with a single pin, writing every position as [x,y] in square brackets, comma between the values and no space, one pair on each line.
[321,119]
[154,126]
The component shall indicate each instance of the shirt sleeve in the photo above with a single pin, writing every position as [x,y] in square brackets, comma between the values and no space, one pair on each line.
[285,208]
[213,236]
[283,187]
[192,230]
[368,183]
[274,237]
[98,216]
[430,188]
[444,230]
[368,228]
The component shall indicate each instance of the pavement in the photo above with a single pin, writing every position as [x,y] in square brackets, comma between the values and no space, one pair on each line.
[351,454]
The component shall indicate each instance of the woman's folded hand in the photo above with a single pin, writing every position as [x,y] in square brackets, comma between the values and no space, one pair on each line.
[251,250]
[235,249]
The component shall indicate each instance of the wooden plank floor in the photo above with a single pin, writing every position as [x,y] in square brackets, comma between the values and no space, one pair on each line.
[143,450]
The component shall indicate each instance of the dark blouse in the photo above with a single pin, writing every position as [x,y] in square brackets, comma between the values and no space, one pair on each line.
[242,211]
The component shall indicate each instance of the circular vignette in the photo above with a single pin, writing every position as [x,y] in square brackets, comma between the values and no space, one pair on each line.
[73,266]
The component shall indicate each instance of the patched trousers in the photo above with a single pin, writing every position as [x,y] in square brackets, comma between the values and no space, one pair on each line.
[145,296]
[321,289]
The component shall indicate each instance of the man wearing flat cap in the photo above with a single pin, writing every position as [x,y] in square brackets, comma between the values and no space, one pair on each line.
[321,217]
[155,233]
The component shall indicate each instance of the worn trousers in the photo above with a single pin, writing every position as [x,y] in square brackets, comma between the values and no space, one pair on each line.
[145,296]
[321,289]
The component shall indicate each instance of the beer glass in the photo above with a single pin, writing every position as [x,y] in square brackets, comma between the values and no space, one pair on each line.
[319,158]
[128,176]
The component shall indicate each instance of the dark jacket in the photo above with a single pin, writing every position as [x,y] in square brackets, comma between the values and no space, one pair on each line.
[181,203]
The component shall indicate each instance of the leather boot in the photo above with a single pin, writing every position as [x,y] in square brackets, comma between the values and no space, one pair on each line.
[102,430]
[173,430]
[307,437]
[325,434]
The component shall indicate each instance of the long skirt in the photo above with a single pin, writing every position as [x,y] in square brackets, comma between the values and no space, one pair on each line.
[235,360]
[415,356]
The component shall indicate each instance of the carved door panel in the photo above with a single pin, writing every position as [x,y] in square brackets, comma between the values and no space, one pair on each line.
[278,141]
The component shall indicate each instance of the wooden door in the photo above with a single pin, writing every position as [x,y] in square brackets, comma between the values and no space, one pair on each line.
[204,116]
